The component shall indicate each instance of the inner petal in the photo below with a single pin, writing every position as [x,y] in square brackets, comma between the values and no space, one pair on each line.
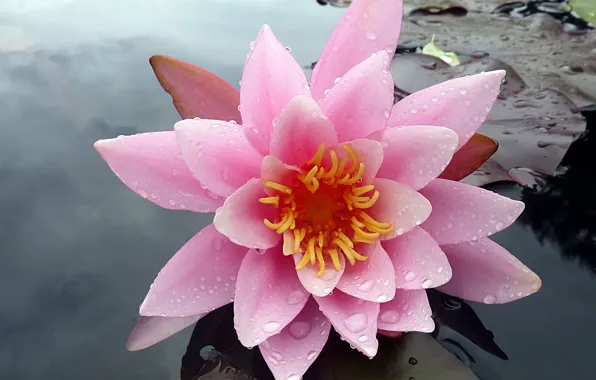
[322,210]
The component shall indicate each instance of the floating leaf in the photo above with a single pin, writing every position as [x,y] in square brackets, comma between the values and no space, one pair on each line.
[195,91]
[586,9]
[470,157]
[448,57]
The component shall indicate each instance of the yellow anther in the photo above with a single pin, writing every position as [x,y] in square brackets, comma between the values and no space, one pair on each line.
[358,191]
[287,224]
[278,187]
[342,165]
[310,250]
[275,226]
[320,240]
[320,260]
[320,173]
[343,237]
[346,250]
[370,203]
[270,201]
[353,156]
[303,262]
[366,235]
[334,165]
[311,174]
[288,246]
[368,219]
[335,258]
[359,239]
[356,222]
[358,176]
[316,160]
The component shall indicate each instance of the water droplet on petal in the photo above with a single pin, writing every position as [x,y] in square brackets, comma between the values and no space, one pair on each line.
[311,355]
[390,316]
[143,194]
[366,286]
[300,329]
[217,243]
[171,202]
[362,338]
[427,283]
[356,322]
[410,276]
[271,326]
[489,299]
[293,377]
[382,298]
[499,226]
[295,297]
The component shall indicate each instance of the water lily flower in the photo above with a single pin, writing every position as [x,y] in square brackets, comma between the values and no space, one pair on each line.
[328,209]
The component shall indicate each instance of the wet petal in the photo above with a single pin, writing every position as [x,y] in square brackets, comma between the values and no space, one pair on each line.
[370,280]
[408,311]
[268,296]
[460,104]
[367,27]
[483,271]
[152,330]
[462,212]
[360,102]
[319,285]
[151,166]
[199,278]
[470,157]
[291,352]
[195,91]
[369,152]
[354,319]
[272,169]
[300,130]
[218,154]
[271,78]
[418,260]
[241,217]
[399,205]
[416,155]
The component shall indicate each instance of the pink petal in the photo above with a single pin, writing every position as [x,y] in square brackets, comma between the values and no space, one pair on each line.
[462,212]
[300,130]
[241,217]
[272,169]
[470,157]
[271,78]
[195,91]
[371,280]
[151,166]
[319,286]
[408,311]
[399,205]
[483,271]
[370,153]
[152,330]
[291,352]
[360,102]
[416,155]
[367,27]
[199,278]
[460,104]
[218,154]
[268,296]
[418,260]
[354,319]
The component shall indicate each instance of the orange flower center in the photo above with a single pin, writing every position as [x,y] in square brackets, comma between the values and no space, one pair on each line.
[322,210]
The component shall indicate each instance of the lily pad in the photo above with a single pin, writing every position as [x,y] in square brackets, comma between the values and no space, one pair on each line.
[586,9]
[534,128]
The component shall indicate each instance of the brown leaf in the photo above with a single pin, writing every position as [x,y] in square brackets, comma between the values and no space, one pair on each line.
[470,157]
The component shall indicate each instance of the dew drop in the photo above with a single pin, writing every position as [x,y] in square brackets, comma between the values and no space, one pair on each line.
[499,226]
[271,326]
[217,243]
[337,80]
[366,286]
[427,283]
[171,202]
[372,36]
[390,316]
[311,355]
[363,338]
[293,377]
[400,231]
[300,329]
[356,322]
[410,276]
[143,194]
[382,298]
[295,297]
[489,299]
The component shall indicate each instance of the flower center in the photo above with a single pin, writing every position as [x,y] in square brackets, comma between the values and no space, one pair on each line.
[322,210]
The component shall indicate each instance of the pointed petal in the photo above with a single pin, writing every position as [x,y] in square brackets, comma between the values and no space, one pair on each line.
[271,78]
[416,155]
[470,157]
[460,104]
[300,130]
[241,217]
[152,330]
[268,296]
[218,154]
[483,271]
[354,319]
[408,311]
[272,169]
[323,285]
[199,278]
[371,280]
[195,91]
[360,102]
[399,205]
[291,352]
[367,27]
[462,212]
[151,166]
[369,152]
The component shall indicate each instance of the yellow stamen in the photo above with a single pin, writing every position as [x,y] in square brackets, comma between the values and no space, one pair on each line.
[353,156]
[310,250]
[316,160]
[320,260]
[358,191]
[302,262]
[334,165]
[335,258]
[366,235]
[370,203]
[270,201]
[278,187]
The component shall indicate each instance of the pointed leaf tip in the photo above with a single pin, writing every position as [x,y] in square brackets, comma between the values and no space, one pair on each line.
[470,157]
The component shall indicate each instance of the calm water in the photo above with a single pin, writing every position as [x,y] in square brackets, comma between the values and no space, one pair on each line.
[78,250]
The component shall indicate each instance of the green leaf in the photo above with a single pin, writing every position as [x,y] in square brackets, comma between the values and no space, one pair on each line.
[448,57]
[586,9]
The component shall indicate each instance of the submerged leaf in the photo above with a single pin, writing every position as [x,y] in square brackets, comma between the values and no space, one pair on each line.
[470,157]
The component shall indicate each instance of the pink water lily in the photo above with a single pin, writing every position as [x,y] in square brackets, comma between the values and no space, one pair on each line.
[328,207]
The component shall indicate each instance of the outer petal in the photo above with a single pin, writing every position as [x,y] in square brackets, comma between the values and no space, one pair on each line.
[418,260]
[460,104]
[152,330]
[360,102]
[416,155]
[371,280]
[272,169]
[199,278]
[408,311]
[291,352]
[470,157]
[354,319]
[151,166]
[300,130]
[323,285]
[367,27]
[463,212]
[268,296]
[271,78]
[483,271]
[218,154]
[195,91]
[241,217]
[400,205]
[370,153]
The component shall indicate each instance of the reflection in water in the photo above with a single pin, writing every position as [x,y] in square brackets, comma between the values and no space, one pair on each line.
[563,208]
